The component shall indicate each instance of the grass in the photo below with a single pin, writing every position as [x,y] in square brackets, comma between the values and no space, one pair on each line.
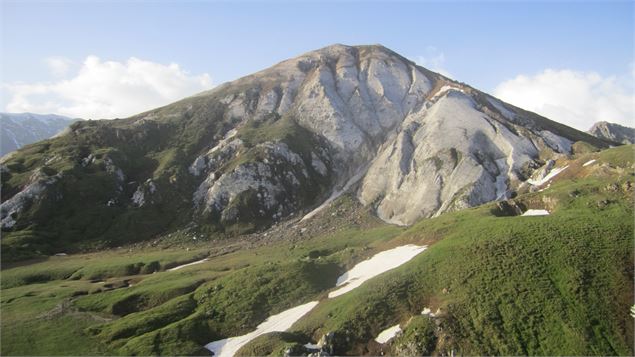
[97,266]
[417,339]
[31,313]
[178,312]
[72,216]
[273,344]
[551,285]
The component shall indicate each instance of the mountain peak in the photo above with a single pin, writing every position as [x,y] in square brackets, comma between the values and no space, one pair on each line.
[613,132]
[407,142]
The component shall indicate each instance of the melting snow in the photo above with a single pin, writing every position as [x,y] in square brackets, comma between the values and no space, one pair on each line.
[188,264]
[588,162]
[545,179]
[276,323]
[536,212]
[379,263]
[387,334]
[312,346]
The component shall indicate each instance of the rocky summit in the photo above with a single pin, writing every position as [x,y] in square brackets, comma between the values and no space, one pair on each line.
[613,132]
[275,146]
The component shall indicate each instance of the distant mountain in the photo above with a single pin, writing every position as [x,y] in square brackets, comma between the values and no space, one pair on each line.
[613,132]
[19,129]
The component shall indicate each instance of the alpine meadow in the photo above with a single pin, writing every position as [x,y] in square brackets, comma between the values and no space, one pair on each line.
[347,201]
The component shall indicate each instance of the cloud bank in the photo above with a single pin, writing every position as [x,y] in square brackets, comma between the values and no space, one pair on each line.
[106,89]
[574,98]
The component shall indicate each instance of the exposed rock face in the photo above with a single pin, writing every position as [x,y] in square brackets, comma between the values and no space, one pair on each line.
[613,132]
[270,188]
[410,142]
[32,192]
[433,145]
[451,156]
[144,193]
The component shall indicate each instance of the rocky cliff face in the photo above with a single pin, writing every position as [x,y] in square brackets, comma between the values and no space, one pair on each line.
[613,132]
[266,147]
[430,144]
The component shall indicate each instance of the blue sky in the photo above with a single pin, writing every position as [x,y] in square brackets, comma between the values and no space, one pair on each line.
[481,43]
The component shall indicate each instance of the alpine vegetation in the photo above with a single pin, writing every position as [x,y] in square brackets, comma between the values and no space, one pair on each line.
[343,202]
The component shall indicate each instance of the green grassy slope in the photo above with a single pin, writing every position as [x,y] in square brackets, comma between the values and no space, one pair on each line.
[74,215]
[558,284]
[549,285]
[87,206]
[506,286]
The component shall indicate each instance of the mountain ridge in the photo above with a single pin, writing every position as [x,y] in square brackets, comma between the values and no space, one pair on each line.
[19,129]
[186,227]
[275,144]
[613,132]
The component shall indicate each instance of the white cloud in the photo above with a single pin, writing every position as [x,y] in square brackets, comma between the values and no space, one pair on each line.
[434,60]
[574,98]
[108,89]
[59,66]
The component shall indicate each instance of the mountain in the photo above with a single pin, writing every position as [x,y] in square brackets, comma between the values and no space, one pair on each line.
[273,146]
[21,129]
[344,202]
[613,132]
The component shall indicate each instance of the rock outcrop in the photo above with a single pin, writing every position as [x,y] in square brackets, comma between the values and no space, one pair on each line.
[290,138]
[431,144]
[613,132]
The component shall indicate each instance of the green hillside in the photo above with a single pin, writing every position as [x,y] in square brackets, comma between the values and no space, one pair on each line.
[502,285]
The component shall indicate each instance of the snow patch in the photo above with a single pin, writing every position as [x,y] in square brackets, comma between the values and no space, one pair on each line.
[189,264]
[553,173]
[378,264]
[388,334]
[536,212]
[276,323]
[312,346]
[588,162]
